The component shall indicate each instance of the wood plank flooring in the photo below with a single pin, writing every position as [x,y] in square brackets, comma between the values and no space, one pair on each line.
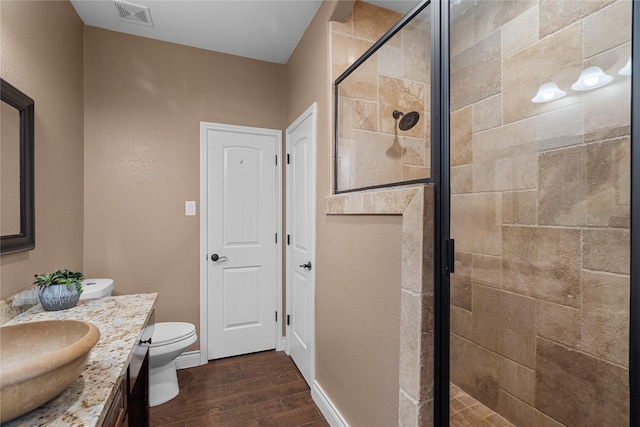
[260,389]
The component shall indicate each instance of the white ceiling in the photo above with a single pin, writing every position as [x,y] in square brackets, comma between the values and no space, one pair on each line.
[267,30]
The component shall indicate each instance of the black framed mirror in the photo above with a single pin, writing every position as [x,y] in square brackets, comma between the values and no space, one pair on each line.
[17,213]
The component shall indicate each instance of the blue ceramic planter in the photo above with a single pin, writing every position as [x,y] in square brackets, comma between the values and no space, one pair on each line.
[58,297]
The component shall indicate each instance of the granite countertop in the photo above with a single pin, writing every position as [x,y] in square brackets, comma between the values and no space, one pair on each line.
[85,402]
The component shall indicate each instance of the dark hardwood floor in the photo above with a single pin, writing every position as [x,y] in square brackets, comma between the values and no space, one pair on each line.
[260,389]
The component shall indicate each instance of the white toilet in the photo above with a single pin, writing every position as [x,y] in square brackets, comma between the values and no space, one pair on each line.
[169,340]
[96,288]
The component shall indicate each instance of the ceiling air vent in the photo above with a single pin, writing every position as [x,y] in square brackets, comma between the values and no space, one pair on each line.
[128,12]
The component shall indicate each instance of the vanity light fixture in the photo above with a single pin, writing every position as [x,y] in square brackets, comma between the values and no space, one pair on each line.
[548,92]
[626,70]
[591,78]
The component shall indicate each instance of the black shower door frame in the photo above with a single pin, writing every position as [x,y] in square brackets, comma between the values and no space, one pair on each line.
[443,246]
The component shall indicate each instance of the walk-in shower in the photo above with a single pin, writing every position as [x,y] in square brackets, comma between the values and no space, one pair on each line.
[530,157]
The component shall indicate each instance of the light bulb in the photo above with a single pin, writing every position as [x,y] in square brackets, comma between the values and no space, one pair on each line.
[626,70]
[591,78]
[591,81]
[548,92]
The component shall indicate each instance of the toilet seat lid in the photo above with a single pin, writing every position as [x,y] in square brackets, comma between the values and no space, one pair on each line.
[169,332]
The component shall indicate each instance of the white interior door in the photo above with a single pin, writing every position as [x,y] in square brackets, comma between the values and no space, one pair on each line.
[301,205]
[242,222]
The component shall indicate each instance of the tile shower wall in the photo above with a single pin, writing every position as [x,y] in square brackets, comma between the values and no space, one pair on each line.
[540,211]
[372,150]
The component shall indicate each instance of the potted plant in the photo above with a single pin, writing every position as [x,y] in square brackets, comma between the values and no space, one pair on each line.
[59,290]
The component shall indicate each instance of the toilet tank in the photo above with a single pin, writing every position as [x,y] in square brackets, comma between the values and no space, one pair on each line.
[96,288]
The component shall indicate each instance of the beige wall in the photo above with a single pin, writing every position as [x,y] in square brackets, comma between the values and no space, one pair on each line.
[540,211]
[358,259]
[144,100]
[41,54]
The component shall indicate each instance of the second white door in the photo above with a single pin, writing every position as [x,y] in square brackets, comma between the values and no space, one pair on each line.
[242,248]
[301,202]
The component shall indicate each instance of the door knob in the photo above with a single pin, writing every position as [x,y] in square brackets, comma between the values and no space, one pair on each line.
[307,265]
[216,257]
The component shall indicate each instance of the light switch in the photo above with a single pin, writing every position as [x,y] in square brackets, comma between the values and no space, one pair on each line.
[190,208]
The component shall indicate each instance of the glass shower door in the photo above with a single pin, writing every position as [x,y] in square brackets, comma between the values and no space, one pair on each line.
[540,98]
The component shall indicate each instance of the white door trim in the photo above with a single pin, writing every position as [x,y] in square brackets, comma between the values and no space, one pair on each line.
[204,264]
[311,111]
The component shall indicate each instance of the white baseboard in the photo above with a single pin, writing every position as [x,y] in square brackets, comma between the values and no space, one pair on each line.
[329,411]
[189,359]
[282,345]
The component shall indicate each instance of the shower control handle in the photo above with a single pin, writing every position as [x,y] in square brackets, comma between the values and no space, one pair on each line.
[216,257]
[307,265]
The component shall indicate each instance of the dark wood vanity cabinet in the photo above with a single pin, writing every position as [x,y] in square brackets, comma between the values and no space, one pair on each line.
[130,405]
[118,409]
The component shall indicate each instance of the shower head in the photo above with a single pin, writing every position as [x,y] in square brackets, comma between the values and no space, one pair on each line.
[408,120]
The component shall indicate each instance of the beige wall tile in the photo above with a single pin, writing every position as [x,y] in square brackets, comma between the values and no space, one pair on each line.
[521,32]
[557,58]
[407,411]
[377,159]
[605,291]
[461,322]
[562,186]
[475,220]
[558,323]
[520,207]
[342,27]
[413,151]
[476,73]
[461,281]
[391,202]
[608,106]
[370,22]
[608,183]
[517,172]
[413,244]
[344,204]
[505,158]
[491,15]
[462,27]
[345,50]
[505,323]
[606,334]
[475,370]
[390,61]
[606,250]
[364,115]
[461,136]
[410,172]
[487,113]
[521,414]
[410,320]
[555,15]
[487,270]
[345,120]
[462,179]
[561,127]
[607,28]
[577,389]
[542,262]
[517,380]
[607,133]
[416,45]
[345,163]
[362,82]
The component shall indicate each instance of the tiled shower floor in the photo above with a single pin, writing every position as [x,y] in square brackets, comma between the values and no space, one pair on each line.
[467,411]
